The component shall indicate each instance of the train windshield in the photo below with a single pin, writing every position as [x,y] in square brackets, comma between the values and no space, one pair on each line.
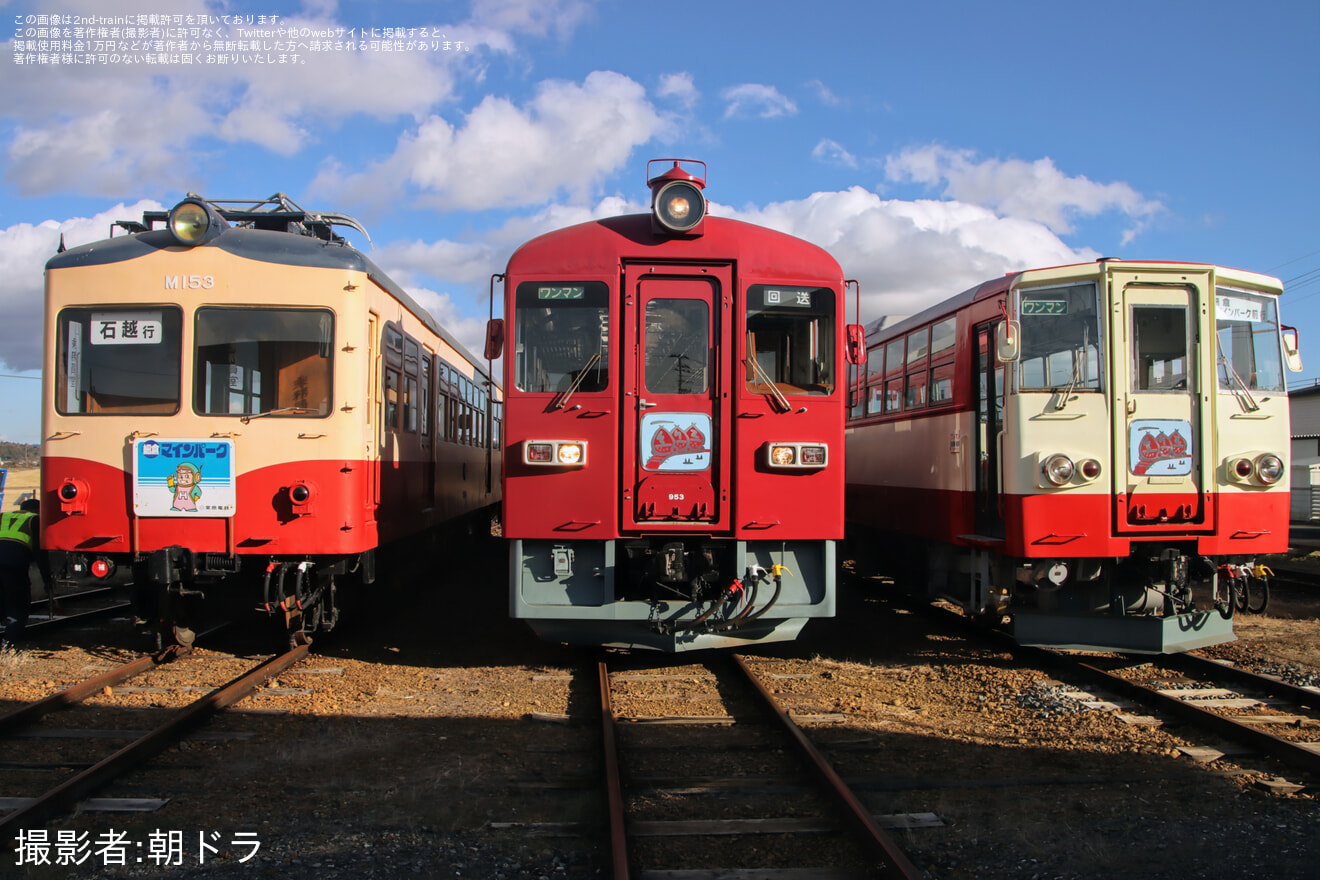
[253,362]
[119,361]
[790,339]
[1060,338]
[561,336]
[1248,331]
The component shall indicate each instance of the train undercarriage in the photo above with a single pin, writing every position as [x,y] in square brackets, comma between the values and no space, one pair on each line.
[1162,598]
[671,593]
[176,590]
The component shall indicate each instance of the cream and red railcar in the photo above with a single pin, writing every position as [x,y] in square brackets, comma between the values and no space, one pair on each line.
[673,471]
[241,404]
[1091,449]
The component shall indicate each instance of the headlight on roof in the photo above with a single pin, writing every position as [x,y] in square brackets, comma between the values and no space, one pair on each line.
[193,222]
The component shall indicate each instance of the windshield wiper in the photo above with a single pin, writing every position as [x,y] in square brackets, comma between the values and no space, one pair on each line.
[284,410]
[582,374]
[1079,355]
[761,376]
[1241,392]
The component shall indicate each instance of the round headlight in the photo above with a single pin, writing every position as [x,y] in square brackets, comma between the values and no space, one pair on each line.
[1058,469]
[300,493]
[1242,467]
[69,491]
[1090,468]
[189,222]
[1269,468]
[679,206]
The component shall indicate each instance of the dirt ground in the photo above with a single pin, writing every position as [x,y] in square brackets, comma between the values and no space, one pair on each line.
[432,739]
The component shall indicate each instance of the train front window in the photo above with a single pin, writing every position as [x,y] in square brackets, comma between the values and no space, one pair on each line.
[1248,332]
[561,336]
[677,346]
[1060,338]
[1159,349]
[790,339]
[119,361]
[268,362]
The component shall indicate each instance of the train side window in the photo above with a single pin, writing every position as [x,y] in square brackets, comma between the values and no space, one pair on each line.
[392,399]
[1248,338]
[894,357]
[252,361]
[790,339]
[410,404]
[942,337]
[876,399]
[894,395]
[914,391]
[1159,349]
[941,384]
[561,332]
[918,343]
[119,361]
[426,393]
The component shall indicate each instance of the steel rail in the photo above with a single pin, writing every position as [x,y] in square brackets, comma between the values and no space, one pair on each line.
[1276,687]
[613,784]
[857,813]
[1223,725]
[66,795]
[25,715]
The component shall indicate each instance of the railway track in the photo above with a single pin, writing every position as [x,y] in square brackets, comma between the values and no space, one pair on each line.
[77,604]
[1262,713]
[37,809]
[638,815]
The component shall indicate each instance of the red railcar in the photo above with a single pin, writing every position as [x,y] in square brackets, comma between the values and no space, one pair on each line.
[1098,451]
[675,394]
[242,404]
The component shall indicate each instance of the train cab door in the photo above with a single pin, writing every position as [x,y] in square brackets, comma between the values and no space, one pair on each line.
[989,390]
[1158,419]
[676,397]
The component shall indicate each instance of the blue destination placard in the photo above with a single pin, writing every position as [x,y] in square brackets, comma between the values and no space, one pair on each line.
[184,477]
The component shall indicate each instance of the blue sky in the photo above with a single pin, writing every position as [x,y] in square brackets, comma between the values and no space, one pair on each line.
[929,146]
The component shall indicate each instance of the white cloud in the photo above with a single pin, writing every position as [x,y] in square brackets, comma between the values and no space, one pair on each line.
[909,255]
[754,99]
[1030,190]
[833,153]
[680,87]
[823,93]
[148,127]
[569,137]
[24,250]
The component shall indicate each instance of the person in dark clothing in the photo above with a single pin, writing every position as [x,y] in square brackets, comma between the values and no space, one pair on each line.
[19,532]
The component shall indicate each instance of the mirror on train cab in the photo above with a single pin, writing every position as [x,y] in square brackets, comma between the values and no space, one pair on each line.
[494,338]
[1007,344]
[856,344]
[1291,348]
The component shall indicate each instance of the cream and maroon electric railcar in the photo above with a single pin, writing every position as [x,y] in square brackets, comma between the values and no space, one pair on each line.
[241,404]
[1091,449]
